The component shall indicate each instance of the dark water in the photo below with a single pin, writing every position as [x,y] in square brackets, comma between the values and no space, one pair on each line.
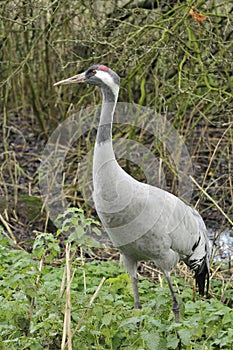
[221,244]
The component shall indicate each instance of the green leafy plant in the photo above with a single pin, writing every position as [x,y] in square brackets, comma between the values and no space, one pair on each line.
[74,223]
[109,321]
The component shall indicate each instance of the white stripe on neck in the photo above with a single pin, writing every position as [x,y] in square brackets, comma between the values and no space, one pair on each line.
[106,78]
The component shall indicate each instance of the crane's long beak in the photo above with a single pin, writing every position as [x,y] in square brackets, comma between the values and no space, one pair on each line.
[79,78]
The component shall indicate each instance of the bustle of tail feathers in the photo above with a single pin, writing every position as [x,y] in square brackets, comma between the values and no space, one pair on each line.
[199,260]
[202,276]
[202,272]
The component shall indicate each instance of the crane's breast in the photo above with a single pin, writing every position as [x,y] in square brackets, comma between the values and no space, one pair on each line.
[126,207]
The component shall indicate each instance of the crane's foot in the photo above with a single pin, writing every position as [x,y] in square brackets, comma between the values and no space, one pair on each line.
[175,304]
[137,305]
[176,310]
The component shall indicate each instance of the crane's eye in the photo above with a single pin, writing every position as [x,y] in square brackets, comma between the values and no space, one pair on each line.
[94,71]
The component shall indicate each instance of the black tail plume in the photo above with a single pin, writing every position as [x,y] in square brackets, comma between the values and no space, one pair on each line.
[202,275]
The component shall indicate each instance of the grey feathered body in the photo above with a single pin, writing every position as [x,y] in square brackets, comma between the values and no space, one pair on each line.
[143,221]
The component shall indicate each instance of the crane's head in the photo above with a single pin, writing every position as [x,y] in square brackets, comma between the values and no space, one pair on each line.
[96,75]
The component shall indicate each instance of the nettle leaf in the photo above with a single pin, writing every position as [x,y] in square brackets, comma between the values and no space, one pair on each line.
[65,228]
[228,317]
[172,341]
[224,309]
[107,318]
[120,285]
[152,340]
[131,322]
[191,307]
[79,230]
[97,231]
[212,319]
[77,236]
[158,324]
[185,336]
[222,339]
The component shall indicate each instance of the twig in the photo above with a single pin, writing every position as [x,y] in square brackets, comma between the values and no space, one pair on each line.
[36,288]
[89,305]
[214,152]
[84,273]
[67,318]
[62,288]
[212,200]
[4,222]
[87,308]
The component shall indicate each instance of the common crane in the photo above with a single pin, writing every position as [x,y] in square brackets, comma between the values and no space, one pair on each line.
[144,222]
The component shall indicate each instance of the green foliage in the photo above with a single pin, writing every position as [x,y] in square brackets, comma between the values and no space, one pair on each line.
[111,323]
[75,224]
[45,245]
[164,58]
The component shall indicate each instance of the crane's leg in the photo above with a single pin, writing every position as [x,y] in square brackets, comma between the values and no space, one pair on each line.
[137,304]
[175,304]
[131,267]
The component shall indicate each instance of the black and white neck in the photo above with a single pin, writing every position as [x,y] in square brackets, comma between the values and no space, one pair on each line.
[110,90]
[104,133]
[109,83]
